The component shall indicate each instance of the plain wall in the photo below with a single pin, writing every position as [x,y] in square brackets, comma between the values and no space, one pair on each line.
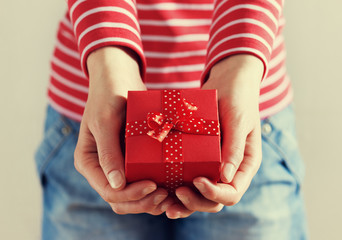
[314,38]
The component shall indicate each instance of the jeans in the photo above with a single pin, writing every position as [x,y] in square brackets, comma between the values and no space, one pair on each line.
[272,208]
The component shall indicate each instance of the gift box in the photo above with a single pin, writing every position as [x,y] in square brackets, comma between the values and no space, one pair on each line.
[172,137]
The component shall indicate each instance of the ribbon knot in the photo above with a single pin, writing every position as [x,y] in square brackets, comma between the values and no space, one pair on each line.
[180,118]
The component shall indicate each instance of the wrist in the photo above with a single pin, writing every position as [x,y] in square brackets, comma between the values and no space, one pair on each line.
[241,67]
[237,80]
[114,70]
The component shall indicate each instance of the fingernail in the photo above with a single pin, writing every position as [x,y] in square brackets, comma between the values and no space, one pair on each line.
[148,190]
[228,172]
[157,199]
[200,186]
[115,179]
[183,198]
[177,215]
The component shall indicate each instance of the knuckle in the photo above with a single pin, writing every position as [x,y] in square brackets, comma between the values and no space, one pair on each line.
[235,154]
[212,195]
[107,196]
[77,159]
[106,159]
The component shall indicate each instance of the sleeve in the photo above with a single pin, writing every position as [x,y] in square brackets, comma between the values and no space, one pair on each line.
[243,26]
[106,23]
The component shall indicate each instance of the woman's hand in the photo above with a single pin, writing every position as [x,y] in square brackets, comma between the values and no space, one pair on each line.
[237,80]
[113,71]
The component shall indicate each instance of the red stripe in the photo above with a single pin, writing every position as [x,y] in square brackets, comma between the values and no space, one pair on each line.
[65,103]
[173,77]
[157,62]
[274,101]
[273,86]
[70,76]
[73,92]
[174,31]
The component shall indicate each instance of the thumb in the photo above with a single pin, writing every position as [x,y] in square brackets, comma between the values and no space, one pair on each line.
[110,155]
[233,148]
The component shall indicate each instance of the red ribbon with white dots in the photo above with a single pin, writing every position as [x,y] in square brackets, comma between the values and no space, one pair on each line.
[167,127]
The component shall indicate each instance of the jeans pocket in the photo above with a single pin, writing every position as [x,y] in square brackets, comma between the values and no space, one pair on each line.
[56,131]
[279,138]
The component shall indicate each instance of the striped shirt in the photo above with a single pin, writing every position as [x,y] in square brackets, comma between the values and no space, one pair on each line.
[177,41]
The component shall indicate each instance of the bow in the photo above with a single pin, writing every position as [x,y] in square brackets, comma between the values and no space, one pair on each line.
[179,119]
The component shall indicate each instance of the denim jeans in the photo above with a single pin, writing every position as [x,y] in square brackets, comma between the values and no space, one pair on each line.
[272,208]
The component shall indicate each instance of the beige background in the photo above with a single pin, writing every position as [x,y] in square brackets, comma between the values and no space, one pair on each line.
[314,38]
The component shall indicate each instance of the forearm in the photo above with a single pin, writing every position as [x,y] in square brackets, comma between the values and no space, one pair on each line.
[243,27]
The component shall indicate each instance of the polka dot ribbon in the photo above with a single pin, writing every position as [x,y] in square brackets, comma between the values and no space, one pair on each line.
[167,127]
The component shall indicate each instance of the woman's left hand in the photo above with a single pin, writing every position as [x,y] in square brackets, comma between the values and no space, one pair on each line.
[237,80]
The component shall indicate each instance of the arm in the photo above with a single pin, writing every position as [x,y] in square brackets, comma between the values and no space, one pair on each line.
[111,55]
[106,23]
[239,49]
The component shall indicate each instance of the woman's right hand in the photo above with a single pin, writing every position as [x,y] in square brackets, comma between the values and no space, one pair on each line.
[113,71]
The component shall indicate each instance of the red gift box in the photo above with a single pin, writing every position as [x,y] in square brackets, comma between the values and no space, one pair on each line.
[172,137]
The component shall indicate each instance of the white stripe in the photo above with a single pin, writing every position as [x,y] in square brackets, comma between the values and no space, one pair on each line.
[68,68]
[278,59]
[68,51]
[279,106]
[67,23]
[132,4]
[186,68]
[274,77]
[282,21]
[243,20]
[109,25]
[68,35]
[175,6]
[129,2]
[106,9]
[245,49]
[66,96]
[276,6]
[69,83]
[278,41]
[176,22]
[111,39]
[174,85]
[218,6]
[241,35]
[246,6]
[175,54]
[276,91]
[181,38]
[65,111]
[74,6]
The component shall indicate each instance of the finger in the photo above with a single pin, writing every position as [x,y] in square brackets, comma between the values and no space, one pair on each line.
[86,162]
[178,210]
[230,194]
[163,206]
[145,205]
[221,192]
[107,137]
[195,202]
[233,147]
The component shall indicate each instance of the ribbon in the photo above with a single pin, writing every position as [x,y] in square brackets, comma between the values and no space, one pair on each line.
[167,127]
